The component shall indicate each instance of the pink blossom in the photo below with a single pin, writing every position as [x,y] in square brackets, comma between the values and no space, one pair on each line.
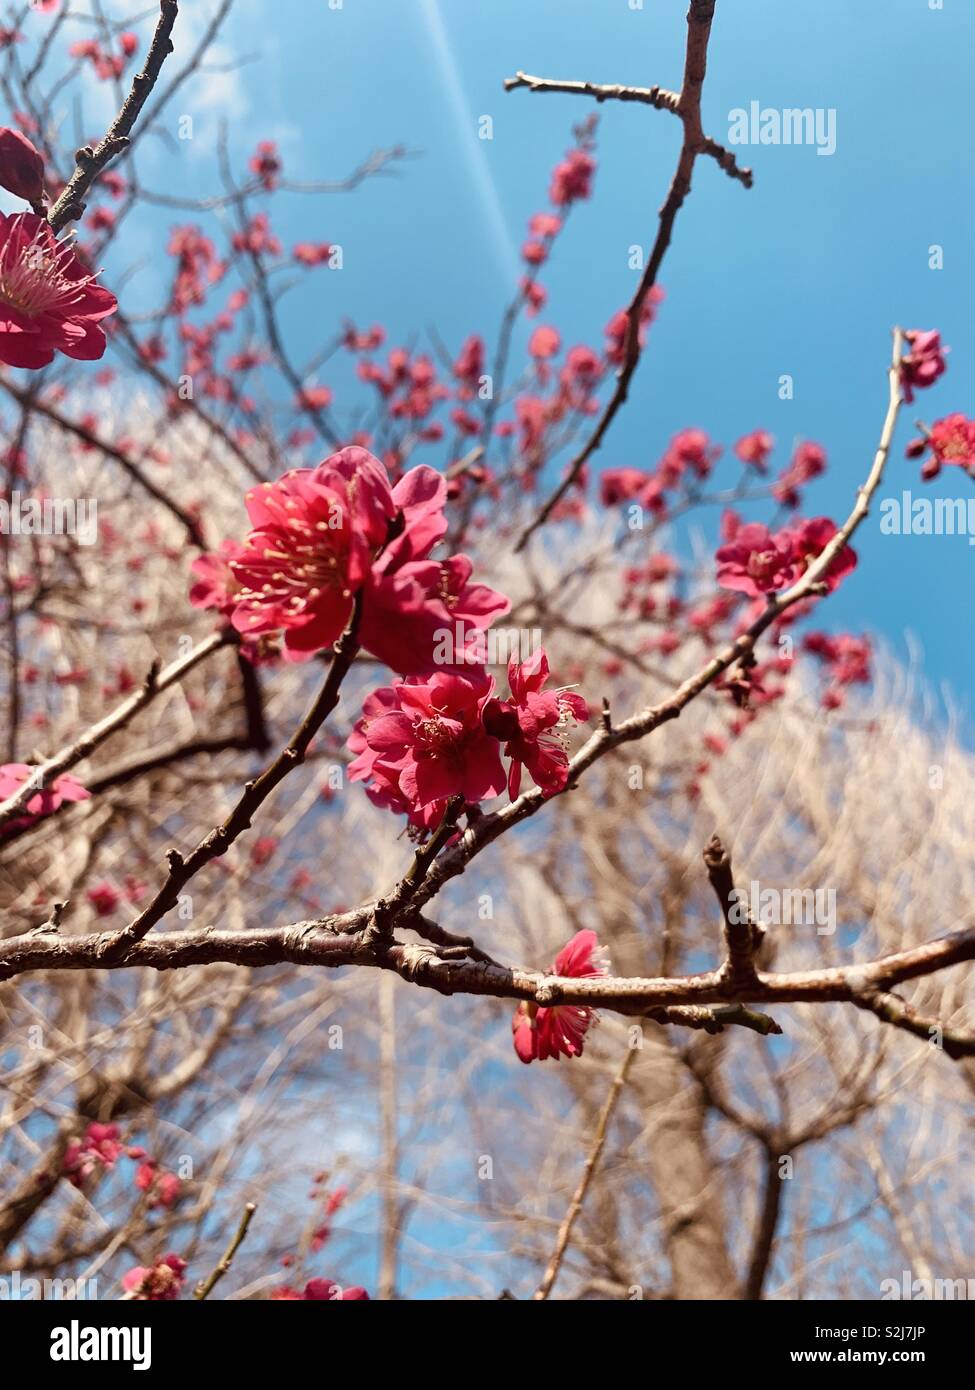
[559,1030]
[216,585]
[808,539]
[572,178]
[265,163]
[620,485]
[616,329]
[469,366]
[321,1291]
[104,898]
[42,803]
[924,363]
[315,532]
[99,1148]
[544,343]
[161,1282]
[755,449]
[951,440]
[21,166]
[433,744]
[49,302]
[544,224]
[531,723]
[312,253]
[755,562]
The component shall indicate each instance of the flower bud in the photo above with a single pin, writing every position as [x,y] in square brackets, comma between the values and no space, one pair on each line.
[21,166]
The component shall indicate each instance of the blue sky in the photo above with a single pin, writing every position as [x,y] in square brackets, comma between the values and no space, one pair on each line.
[804,274]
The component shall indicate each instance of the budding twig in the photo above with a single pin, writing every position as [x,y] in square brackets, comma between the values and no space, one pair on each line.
[206,1286]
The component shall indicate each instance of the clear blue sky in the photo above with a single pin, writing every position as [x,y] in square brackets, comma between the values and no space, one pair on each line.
[804,274]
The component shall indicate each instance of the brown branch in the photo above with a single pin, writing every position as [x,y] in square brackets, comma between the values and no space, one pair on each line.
[742,936]
[341,940]
[661,98]
[890,1008]
[206,1286]
[90,161]
[688,108]
[155,683]
[255,793]
[768,1222]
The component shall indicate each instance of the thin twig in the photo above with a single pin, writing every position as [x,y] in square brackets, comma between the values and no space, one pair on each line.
[90,161]
[206,1286]
[588,1172]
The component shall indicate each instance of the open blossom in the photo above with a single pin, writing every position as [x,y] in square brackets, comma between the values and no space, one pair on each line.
[540,1031]
[320,536]
[49,302]
[924,363]
[414,612]
[755,562]
[531,725]
[951,440]
[315,532]
[160,1283]
[42,803]
[432,743]
[809,539]
[382,781]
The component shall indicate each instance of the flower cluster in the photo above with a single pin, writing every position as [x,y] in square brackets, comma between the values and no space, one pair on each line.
[158,1283]
[323,535]
[756,562]
[101,1147]
[558,1030]
[950,441]
[423,741]
[98,1149]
